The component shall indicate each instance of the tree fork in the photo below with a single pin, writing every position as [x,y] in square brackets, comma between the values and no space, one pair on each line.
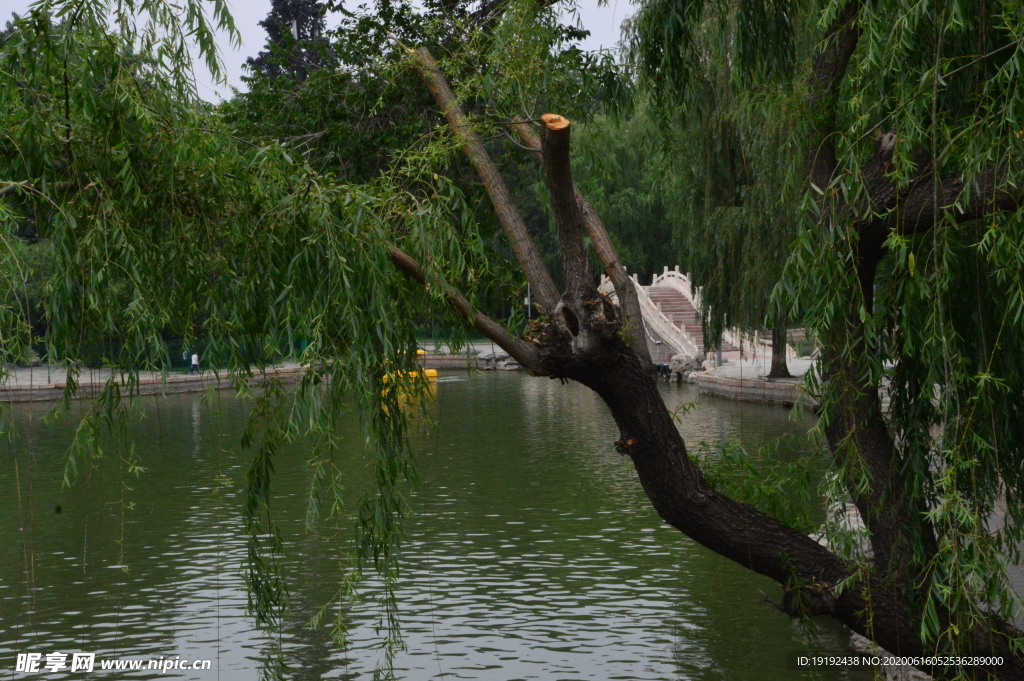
[629,302]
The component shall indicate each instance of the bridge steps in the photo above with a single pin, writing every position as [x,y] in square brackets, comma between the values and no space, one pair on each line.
[681,312]
[669,307]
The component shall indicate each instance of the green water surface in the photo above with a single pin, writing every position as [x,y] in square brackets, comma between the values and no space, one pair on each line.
[533,552]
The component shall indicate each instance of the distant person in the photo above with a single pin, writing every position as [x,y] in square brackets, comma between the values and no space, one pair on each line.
[195,363]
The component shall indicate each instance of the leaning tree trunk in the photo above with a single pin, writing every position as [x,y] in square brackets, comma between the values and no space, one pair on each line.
[582,338]
[779,368]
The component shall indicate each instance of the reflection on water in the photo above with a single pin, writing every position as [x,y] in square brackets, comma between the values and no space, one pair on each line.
[533,555]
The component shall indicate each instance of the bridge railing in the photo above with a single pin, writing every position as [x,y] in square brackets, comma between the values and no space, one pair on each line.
[680,282]
[682,342]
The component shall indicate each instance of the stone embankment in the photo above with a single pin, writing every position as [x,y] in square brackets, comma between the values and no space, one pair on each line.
[482,356]
[42,384]
[484,361]
[448,361]
[745,379]
[755,389]
[497,361]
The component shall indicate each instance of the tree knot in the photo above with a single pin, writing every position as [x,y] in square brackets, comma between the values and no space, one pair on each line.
[809,598]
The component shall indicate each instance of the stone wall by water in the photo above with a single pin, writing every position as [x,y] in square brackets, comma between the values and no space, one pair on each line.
[497,361]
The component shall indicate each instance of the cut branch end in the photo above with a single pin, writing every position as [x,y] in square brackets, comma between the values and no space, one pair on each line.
[555,122]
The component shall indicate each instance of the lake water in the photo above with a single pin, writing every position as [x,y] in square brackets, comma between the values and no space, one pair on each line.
[533,552]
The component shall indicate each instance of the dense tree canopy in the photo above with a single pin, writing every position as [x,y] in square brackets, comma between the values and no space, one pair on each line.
[908,265]
[296,43]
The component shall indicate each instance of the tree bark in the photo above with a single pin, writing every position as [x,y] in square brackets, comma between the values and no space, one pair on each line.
[625,290]
[779,367]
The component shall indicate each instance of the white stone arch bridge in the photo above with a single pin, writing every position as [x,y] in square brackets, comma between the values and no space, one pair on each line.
[671,324]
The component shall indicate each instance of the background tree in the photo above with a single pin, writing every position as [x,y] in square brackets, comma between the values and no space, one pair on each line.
[296,40]
[735,202]
[735,166]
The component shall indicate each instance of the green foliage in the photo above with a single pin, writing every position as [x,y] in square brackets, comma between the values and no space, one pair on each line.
[668,42]
[942,327]
[266,224]
[347,114]
[946,309]
[262,225]
[779,488]
[38,261]
[734,196]
[159,222]
[729,116]
[623,170]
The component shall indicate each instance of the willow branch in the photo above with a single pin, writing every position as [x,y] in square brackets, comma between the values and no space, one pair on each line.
[526,252]
[606,251]
[986,194]
[524,352]
[915,207]
[15,186]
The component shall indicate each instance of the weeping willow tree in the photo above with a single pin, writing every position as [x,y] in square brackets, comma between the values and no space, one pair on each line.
[162,224]
[732,173]
[908,265]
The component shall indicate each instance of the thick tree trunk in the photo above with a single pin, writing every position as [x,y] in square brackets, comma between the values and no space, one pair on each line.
[779,367]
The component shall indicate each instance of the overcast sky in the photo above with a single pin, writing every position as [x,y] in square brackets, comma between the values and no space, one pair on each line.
[602,22]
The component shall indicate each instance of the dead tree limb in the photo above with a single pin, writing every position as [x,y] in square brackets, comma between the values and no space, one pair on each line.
[526,252]
[568,218]
[606,251]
